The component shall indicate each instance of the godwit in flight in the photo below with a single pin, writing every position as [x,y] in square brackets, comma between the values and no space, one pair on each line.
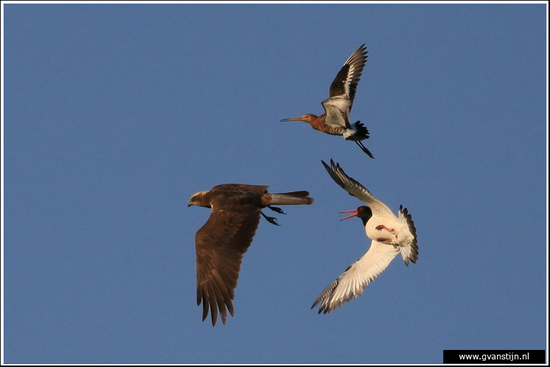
[335,120]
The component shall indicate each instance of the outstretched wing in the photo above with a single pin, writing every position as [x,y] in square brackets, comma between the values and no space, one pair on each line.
[407,237]
[356,277]
[220,245]
[354,188]
[348,77]
[342,90]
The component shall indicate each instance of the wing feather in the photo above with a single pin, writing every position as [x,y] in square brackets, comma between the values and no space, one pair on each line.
[345,82]
[356,277]
[220,245]
[407,237]
[354,188]
[337,111]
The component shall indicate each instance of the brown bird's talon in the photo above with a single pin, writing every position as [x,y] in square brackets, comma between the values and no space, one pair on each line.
[275,209]
[271,220]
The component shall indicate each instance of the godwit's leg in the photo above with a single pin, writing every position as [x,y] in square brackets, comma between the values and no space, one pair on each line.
[364,149]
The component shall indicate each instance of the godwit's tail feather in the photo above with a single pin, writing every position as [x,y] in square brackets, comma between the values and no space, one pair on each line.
[361,132]
[357,134]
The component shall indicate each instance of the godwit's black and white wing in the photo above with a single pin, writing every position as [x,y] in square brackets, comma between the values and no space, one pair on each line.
[343,88]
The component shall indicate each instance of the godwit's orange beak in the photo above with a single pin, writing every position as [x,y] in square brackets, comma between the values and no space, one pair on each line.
[293,119]
[355,213]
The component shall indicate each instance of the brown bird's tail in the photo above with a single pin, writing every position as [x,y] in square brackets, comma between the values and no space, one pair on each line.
[288,198]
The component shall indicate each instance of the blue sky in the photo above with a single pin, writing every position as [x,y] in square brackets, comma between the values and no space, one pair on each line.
[114,115]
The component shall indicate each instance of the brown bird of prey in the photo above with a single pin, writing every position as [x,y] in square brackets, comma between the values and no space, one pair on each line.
[222,241]
[335,120]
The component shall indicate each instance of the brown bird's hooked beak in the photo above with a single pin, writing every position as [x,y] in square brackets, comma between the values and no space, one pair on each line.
[355,214]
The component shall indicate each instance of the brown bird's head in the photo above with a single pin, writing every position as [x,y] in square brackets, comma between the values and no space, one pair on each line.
[198,199]
[308,117]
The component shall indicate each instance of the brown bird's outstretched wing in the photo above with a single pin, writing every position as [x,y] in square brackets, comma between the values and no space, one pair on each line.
[220,245]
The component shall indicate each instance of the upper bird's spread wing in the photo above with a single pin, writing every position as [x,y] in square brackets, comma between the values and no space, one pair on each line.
[354,188]
[348,77]
[356,277]
[220,244]
[342,90]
